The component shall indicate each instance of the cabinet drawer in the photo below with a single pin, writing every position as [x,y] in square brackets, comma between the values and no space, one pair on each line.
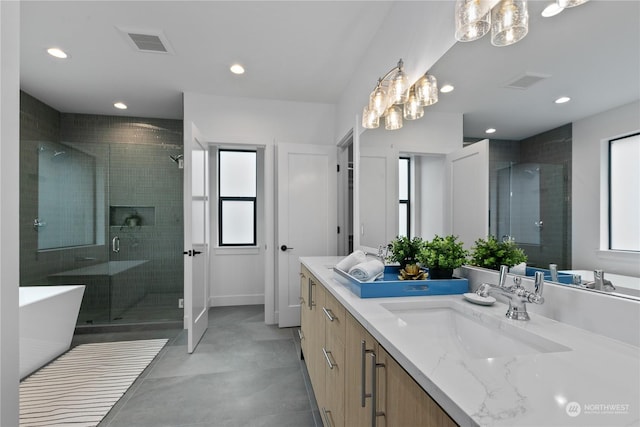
[335,317]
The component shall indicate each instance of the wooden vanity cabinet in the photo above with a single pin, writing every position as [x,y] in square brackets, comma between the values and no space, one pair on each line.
[342,358]
[359,345]
[323,328]
[402,400]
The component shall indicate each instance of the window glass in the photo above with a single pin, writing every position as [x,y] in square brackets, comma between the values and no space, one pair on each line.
[237,222]
[403,168]
[624,193]
[237,173]
[402,228]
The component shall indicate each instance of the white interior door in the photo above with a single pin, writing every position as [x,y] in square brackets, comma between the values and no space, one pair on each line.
[377,197]
[467,172]
[196,248]
[307,217]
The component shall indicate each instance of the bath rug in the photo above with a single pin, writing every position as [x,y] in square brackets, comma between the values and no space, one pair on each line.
[80,387]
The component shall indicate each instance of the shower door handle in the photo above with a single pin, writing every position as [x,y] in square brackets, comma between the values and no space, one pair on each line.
[115,244]
[192,252]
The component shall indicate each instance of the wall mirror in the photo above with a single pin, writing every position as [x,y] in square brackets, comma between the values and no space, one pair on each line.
[590,53]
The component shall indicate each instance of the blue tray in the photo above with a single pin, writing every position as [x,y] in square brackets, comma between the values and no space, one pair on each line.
[390,286]
[564,278]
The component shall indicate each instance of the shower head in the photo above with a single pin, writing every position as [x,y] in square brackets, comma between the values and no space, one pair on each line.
[59,153]
[177,158]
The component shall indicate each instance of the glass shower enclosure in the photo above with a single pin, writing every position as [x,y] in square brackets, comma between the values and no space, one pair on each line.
[532,210]
[109,216]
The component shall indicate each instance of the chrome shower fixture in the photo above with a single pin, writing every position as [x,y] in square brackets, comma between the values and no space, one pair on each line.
[179,159]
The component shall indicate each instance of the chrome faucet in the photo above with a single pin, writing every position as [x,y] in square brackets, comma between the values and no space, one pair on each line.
[518,296]
[599,283]
[553,270]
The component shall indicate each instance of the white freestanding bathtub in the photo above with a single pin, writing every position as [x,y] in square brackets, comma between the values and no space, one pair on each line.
[47,317]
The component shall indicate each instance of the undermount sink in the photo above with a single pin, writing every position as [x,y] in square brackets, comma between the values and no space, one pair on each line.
[465,331]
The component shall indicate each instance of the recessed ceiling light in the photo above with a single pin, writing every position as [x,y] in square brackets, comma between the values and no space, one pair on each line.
[551,10]
[490,130]
[237,69]
[446,88]
[58,53]
[120,105]
[562,100]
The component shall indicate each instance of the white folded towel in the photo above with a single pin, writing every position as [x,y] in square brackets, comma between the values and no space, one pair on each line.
[520,269]
[367,271]
[356,257]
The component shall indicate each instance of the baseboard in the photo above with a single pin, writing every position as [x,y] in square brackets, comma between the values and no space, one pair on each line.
[227,300]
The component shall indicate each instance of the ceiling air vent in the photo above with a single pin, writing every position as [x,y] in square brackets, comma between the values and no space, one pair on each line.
[147,41]
[526,80]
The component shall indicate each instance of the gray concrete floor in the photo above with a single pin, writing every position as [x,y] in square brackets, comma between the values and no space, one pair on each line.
[243,373]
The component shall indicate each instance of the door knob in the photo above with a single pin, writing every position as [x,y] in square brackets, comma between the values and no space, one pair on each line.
[285,248]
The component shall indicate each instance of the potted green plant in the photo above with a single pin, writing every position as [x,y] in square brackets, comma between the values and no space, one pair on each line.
[442,255]
[491,253]
[404,251]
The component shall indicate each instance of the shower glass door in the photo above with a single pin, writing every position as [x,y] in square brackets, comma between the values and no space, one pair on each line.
[145,233]
[532,206]
[111,214]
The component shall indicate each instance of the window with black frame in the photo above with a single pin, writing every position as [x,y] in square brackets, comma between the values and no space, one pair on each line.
[624,193]
[237,197]
[404,191]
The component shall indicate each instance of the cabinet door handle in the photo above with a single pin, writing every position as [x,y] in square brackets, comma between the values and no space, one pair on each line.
[300,335]
[374,384]
[363,372]
[310,297]
[329,314]
[326,356]
[326,417]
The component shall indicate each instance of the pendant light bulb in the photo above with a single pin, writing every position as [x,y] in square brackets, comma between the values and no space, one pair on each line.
[473,19]
[412,110]
[393,118]
[370,119]
[399,86]
[509,22]
[426,89]
[378,100]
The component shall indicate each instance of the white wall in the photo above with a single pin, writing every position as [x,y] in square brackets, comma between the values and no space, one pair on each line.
[259,122]
[266,122]
[590,137]
[430,199]
[9,219]
[434,135]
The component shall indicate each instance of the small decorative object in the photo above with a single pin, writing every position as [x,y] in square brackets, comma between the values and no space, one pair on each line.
[412,272]
[404,251]
[491,253]
[442,255]
[133,220]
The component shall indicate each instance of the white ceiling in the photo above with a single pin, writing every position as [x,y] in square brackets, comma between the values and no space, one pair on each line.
[308,51]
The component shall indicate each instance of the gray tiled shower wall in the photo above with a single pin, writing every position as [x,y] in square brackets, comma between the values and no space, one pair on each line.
[141,175]
[548,148]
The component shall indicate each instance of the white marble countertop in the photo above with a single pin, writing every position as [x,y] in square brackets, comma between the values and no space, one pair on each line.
[598,376]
